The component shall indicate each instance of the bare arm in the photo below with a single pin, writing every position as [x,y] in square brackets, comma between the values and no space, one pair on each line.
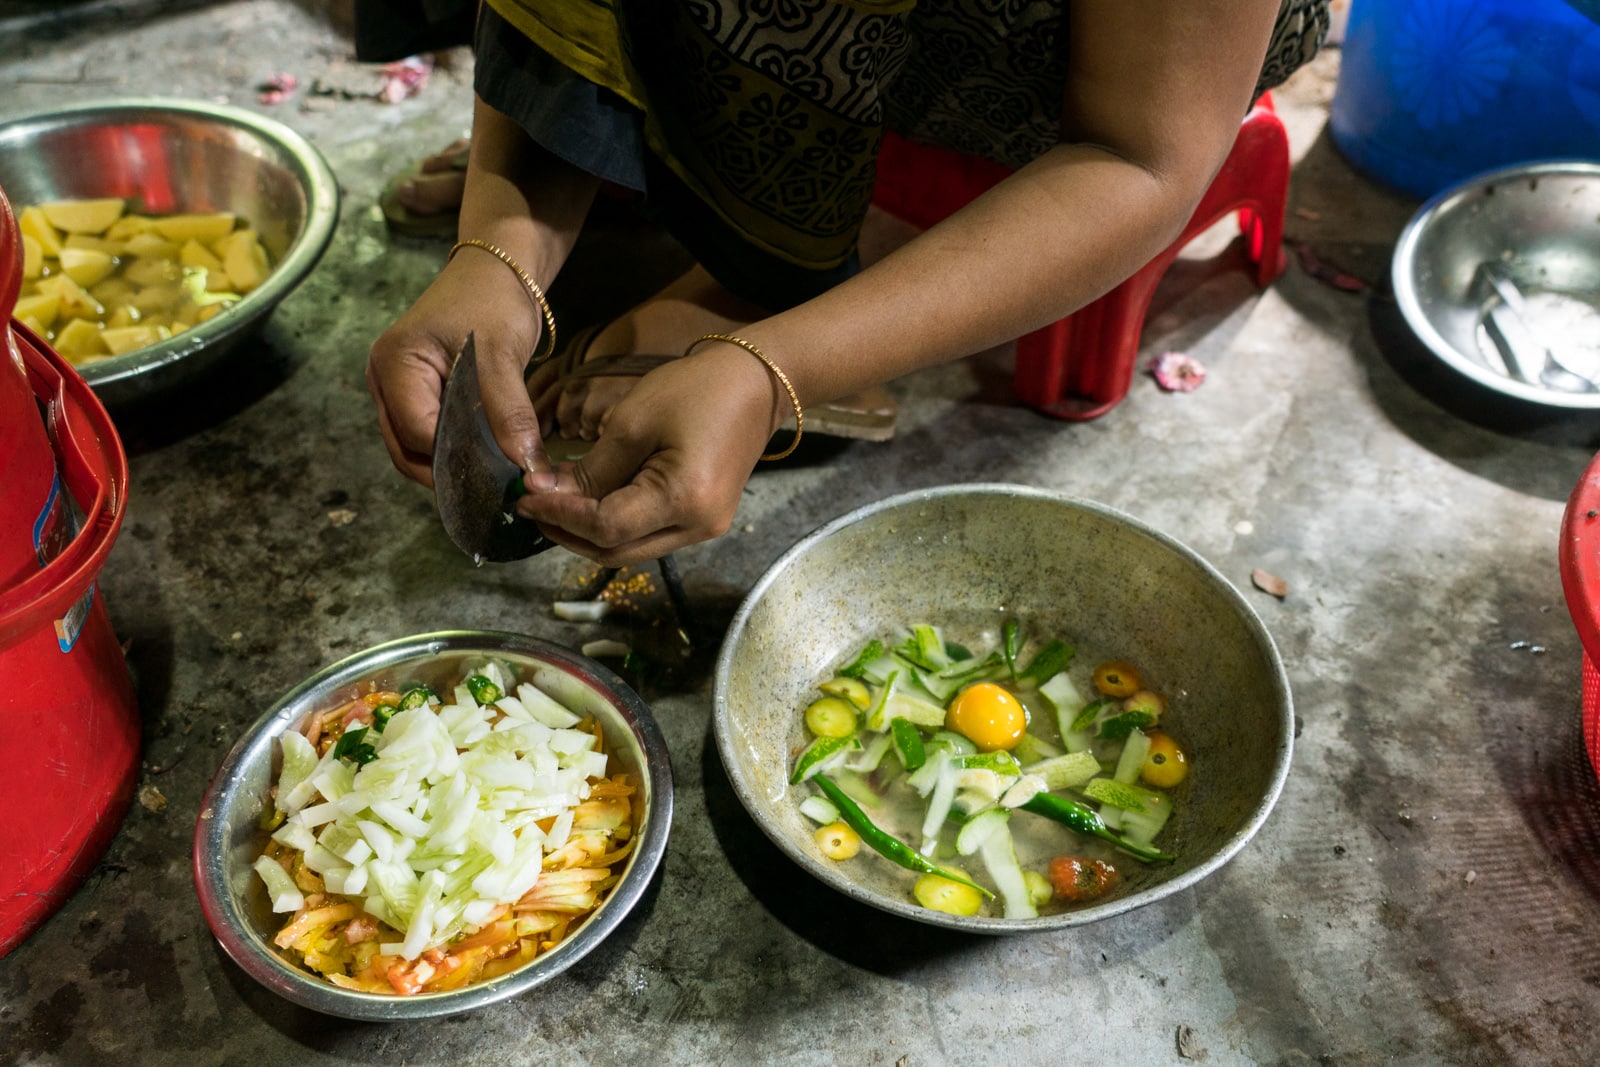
[530,204]
[1156,92]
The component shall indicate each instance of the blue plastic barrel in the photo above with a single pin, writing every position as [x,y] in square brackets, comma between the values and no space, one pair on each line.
[1434,91]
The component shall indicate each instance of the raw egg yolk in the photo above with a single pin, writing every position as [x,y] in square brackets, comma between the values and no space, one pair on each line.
[988,716]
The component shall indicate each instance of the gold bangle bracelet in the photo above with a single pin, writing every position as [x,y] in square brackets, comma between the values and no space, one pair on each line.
[783,379]
[547,345]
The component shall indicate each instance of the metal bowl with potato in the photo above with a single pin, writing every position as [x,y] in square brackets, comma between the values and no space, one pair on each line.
[159,234]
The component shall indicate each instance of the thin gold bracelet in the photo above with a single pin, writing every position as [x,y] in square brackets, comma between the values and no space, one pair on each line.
[783,379]
[547,346]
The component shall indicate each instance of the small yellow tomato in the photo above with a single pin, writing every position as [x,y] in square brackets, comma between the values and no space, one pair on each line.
[838,841]
[988,716]
[1165,765]
[831,717]
[937,893]
[1117,679]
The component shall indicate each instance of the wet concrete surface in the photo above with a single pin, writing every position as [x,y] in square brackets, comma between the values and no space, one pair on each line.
[1426,892]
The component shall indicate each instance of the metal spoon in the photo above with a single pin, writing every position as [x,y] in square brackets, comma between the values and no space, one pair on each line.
[1526,356]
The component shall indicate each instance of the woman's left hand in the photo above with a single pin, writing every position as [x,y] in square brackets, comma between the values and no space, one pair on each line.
[669,465]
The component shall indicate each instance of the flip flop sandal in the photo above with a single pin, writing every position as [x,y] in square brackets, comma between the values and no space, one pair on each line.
[865,416]
[403,220]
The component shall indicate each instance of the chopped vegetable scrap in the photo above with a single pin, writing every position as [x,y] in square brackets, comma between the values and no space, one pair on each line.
[1315,267]
[423,843]
[278,88]
[1177,372]
[405,78]
[945,746]
[1269,583]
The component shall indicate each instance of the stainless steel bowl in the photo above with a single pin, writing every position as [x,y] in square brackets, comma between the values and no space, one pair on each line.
[174,156]
[1537,226]
[963,557]
[228,837]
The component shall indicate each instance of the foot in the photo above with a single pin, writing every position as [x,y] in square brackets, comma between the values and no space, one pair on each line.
[438,186]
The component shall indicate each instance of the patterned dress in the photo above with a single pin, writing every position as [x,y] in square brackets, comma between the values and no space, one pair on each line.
[754,125]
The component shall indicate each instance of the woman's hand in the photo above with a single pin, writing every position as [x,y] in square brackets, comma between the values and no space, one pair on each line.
[669,465]
[410,362]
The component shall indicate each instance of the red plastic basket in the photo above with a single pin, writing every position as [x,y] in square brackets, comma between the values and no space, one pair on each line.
[1580,579]
[68,717]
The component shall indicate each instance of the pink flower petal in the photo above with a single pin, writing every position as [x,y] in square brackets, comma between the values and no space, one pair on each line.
[1177,372]
[404,78]
[279,87]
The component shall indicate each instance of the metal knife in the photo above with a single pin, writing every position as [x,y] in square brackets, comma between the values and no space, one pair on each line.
[474,485]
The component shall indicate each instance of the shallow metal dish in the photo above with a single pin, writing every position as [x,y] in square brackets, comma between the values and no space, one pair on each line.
[963,557]
[168,157]
[228,836]
[1539,223]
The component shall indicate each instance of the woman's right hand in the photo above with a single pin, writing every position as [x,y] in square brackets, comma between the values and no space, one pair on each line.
[410,362]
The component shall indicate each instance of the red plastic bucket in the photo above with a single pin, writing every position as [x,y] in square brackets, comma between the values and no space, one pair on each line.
[1579,556]
[69,726]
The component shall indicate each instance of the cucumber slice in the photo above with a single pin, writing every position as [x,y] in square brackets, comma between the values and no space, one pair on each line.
[1134,750]
[1067,771]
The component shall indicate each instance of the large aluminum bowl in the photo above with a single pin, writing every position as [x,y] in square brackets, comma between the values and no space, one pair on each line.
[963,558]
[170,157]
[228,836]
[1540,224]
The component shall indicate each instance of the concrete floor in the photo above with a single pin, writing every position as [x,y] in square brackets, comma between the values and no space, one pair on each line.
[1426,892]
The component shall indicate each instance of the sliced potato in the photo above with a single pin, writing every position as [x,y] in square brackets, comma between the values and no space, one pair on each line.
[122,317]
[195,254]
[98,244]
[32,258]
[152,245]
[75,302]
[128,338]
[129,227]
[33,224]
[146,271]
[202,228]
[80,339]
[113,293]
[246,262]
[86,266]
[161,299]
[42,308]
[83,216]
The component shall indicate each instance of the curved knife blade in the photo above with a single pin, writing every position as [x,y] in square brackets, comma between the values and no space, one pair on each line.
[474,485]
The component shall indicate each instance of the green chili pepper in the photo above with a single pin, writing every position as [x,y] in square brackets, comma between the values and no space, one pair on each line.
[1048,662]
[816,752]
[381,716]
[416,697]
[1118,727]
[1085,820]
[1090,712]
[884,843]
[908,743]
[483,690]
[1011,645]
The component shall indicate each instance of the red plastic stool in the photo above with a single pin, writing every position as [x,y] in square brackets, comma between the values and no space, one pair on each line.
[1081,367]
